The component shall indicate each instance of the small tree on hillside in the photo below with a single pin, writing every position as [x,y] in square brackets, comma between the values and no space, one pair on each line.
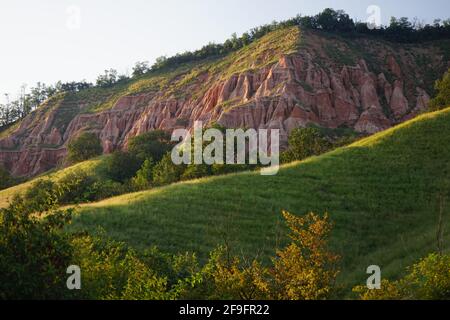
[166,172]
[151,145]
[442,99]
[86,146]
[140,68]
[144,176]
[304,270]
[122,166]
[304,143]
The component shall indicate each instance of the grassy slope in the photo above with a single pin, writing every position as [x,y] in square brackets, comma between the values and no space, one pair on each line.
[93,167]
[381,193]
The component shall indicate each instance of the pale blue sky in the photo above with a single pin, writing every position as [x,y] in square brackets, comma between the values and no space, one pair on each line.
[40,40]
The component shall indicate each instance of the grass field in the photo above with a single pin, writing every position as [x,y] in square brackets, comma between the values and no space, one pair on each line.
[381,192]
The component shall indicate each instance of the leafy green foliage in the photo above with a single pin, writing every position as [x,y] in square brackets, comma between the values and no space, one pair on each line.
[144,176]
[79,186]
[304,270]
[428,279]
[107,79]
[34,251]
[196,171]
[151,145]
[140,68]
[442,99]
[122,166]
[84,147]
[304,143]
[166,172]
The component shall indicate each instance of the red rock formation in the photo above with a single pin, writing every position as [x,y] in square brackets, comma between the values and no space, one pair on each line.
[291,93]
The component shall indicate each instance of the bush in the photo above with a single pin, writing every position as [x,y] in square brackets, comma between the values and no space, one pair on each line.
[151,145]
[80,186]
[304,143]
[429,279]
[42,195]
[122,166]
[77,187]
[144,177]
[166,172]
[84,147]
[196,171]
[34,251]
[442,99]
[304,270]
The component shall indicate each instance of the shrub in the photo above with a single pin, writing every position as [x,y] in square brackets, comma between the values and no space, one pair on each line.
[151,145]
[442,98]
[34,251]
[144,176]
[196,171]
[102,189]
[304,143]
[429,279]
[304,270]
[122,166]
[84,147]
[77,187]
[166,172]
[42,195]
[111,271]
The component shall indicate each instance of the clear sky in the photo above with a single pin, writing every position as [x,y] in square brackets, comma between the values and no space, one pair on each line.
[50,40]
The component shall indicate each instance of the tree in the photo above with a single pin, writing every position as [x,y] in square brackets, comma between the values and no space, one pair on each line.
[328,19]
[140,68]
[108,78]
[34,250]
[166,172]
[122,166]
[144,176]
[442,98]
[305,270]
[304,143]
[151,145]
[84,147]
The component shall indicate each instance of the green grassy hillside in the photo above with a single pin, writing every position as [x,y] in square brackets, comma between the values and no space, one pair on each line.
[93,167]
[381,192]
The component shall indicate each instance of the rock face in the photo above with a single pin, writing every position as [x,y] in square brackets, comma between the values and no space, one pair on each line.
[293,92]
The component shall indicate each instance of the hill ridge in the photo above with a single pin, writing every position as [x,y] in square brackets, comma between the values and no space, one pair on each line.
[287,79]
